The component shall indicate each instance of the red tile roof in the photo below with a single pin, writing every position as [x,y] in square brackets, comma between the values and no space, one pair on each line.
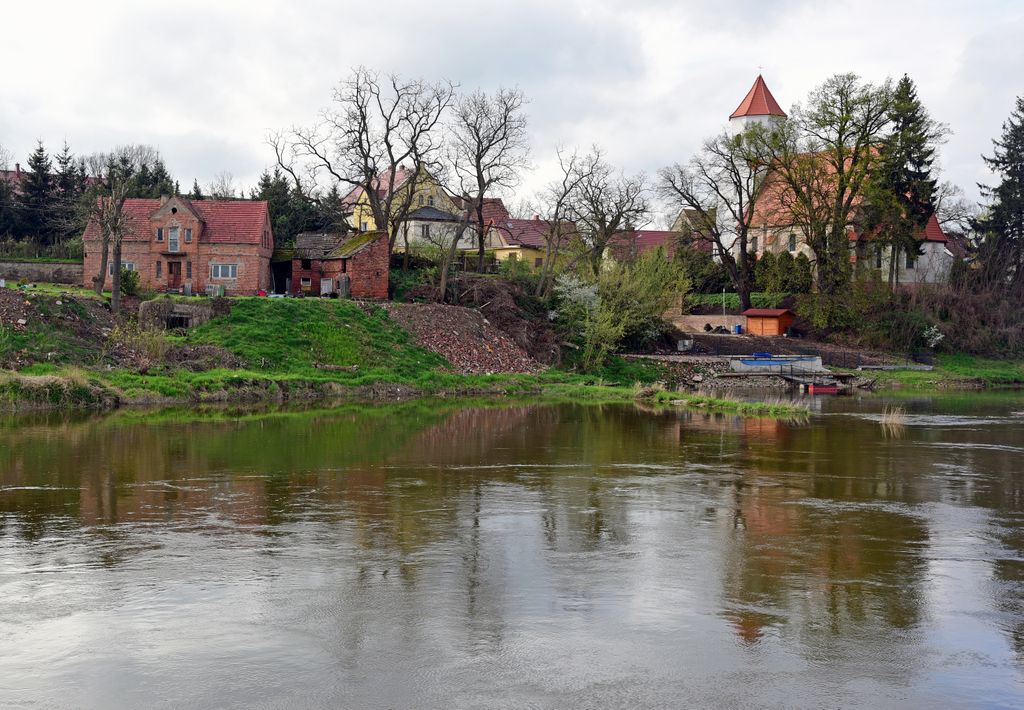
[380,183]
[640,241]
[758,102]
[767,312]
[224,221]
[933,231]
[529,232]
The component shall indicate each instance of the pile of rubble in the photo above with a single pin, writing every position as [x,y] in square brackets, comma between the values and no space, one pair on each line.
[463,337]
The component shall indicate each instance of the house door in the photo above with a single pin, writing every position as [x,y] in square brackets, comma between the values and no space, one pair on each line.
[173,274]
[326,286]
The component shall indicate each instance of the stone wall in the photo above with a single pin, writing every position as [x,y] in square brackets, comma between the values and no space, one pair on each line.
[47,271]
[695,324]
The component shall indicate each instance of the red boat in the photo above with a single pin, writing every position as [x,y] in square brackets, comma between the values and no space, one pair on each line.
[822,389]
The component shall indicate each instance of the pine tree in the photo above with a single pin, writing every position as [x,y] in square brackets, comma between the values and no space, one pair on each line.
[69,186]
[901,192]
[197,192]
[1002,251]
[37,196]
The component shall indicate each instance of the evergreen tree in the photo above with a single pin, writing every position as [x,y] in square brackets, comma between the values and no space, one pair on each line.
[765,273]
[1002,250]
[803,278]
[37,196]
[784,268]
[154,181]
[197,192]
[901,193]
[69,186]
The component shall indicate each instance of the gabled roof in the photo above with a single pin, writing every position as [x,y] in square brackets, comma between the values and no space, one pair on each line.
[758,102]
[640,241]
[494,209]
[224,221]
[380,184]
[314,245]
[531,233]
[431,214]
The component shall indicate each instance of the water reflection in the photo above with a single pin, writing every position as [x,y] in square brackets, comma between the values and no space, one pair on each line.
[434,554]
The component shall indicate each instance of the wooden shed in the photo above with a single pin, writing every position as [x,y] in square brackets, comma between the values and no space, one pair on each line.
[768,321]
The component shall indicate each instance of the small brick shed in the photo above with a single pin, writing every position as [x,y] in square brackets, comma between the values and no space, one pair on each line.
[353,266]
[768,321]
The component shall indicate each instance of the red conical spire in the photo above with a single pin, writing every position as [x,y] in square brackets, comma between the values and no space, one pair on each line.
[758,102]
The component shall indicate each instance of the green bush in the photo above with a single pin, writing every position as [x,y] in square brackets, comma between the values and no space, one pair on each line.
[129,282]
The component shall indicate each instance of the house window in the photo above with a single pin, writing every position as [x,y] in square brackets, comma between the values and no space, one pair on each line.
[188,269]
[223,271]
[159,269]
[363,226]
[538,262]
[306,282]
[792,242]
[188,235]
[878,257]
[172,239]
[126,265]
[159,234]
[425,231]
[911,260]
[430,201]
[419,200]
[753,245]
[307,264]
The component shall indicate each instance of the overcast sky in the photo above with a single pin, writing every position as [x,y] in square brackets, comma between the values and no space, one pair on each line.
[204,80]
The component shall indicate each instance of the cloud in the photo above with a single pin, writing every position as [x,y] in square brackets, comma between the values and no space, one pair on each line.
[647,79]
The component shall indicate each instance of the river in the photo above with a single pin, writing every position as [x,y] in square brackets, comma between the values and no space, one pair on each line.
[448,555]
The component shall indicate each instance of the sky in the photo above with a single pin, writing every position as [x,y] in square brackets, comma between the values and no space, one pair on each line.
[648,80]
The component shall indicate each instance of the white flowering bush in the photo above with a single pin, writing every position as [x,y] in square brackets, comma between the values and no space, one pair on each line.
[932,336]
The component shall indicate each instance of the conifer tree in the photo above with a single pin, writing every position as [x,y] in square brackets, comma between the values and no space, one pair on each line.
[197,192]
[1002,249]
[37,193]
[901,193]
[69,186]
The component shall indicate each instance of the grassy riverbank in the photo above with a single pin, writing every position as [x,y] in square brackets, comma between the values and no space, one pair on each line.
[275,350]
[955,372]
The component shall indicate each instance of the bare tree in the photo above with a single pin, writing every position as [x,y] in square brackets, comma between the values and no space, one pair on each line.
[606,203]
[956,214]
[555,207]
[222,187]
[488,147]
[375,126]
[719,189]
[116,176]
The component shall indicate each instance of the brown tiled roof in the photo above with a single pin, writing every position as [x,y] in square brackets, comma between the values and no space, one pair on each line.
[224,221]
[639,241]
[313,245]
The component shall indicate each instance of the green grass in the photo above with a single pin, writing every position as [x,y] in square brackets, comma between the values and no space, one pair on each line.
[955,370]
[281,342]
[38,260]
[57,290]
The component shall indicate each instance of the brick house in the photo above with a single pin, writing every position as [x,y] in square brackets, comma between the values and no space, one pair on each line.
[183,245]
[351,266]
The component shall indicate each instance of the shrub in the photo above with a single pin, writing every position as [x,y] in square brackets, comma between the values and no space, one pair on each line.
[129,282]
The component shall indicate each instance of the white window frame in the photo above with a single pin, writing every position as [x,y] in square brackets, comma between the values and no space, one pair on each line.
[363,226]
[424,231]
[174,239]
[188,235]
[223,272]
[126,265]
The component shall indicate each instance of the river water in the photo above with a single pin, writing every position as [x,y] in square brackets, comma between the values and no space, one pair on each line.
[430,554]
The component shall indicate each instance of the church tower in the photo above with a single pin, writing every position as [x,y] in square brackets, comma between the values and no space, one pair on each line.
[758,106]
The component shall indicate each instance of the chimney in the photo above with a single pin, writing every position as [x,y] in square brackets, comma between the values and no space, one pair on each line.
[17,170]
[163,200]
[536,218]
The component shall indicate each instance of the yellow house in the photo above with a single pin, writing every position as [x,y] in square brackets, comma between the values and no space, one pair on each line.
[427,192]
